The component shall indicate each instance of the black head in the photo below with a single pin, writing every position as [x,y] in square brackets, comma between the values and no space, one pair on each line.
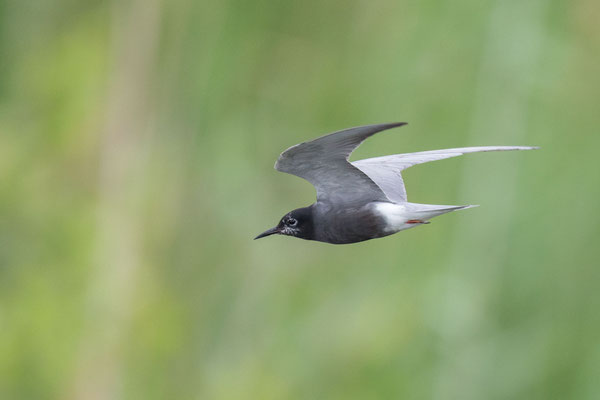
[298,223]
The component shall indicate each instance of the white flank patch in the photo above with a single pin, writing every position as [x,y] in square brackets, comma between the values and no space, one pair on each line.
[395,216]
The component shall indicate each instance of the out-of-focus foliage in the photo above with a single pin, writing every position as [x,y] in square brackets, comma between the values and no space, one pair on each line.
[137,140]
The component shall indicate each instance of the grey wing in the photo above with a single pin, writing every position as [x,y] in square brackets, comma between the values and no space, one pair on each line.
[324,163]
[385,171]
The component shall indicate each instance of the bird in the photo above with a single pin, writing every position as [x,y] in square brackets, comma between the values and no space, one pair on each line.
[359,200]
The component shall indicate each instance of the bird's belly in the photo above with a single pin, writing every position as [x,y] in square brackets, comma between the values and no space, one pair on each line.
[348,225]
[356,224]
[396,217]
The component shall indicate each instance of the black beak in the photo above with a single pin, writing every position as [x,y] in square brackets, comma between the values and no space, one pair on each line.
[268,232]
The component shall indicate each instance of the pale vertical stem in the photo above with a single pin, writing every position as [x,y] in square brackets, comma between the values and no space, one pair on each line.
[135,27]
[508,66]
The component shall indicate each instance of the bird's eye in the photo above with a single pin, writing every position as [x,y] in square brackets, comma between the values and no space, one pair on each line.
[292,222]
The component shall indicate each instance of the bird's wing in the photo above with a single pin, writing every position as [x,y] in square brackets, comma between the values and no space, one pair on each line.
[385,171]
[324,163]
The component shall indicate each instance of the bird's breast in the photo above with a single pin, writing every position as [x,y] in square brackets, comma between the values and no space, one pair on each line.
[349,224]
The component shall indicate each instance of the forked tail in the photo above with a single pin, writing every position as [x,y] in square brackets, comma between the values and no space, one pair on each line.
[424,212]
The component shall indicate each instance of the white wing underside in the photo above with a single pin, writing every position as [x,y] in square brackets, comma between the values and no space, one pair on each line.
[386,171]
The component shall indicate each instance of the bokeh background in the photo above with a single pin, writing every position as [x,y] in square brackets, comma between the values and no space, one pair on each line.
[137,140]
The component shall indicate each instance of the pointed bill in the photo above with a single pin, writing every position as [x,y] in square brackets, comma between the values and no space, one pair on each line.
[268,232]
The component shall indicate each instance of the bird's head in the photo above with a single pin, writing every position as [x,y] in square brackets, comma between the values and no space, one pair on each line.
[297,223]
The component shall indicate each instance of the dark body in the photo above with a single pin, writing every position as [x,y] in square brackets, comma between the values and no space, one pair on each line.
[362,200]
[344,225]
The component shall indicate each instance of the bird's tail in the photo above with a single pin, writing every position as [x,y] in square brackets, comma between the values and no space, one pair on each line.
[425,212]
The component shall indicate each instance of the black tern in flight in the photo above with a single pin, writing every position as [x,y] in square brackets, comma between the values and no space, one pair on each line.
[358,200]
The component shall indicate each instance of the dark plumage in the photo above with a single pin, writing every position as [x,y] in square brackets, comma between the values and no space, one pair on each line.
[361,200]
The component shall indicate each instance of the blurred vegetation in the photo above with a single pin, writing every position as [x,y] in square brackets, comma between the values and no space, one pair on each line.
[137,140]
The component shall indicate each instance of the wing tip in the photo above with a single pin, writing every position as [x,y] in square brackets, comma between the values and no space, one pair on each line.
[277,164]
[396,124]
[525,147]
[283,156]
[378,127]
[385,126]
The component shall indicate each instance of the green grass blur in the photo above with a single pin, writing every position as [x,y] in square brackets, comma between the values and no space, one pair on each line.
[137,140]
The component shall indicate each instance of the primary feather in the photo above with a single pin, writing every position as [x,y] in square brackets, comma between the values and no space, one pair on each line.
[385,171]
[324,163]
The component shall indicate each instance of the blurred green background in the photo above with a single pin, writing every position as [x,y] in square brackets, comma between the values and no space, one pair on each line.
[137,140]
